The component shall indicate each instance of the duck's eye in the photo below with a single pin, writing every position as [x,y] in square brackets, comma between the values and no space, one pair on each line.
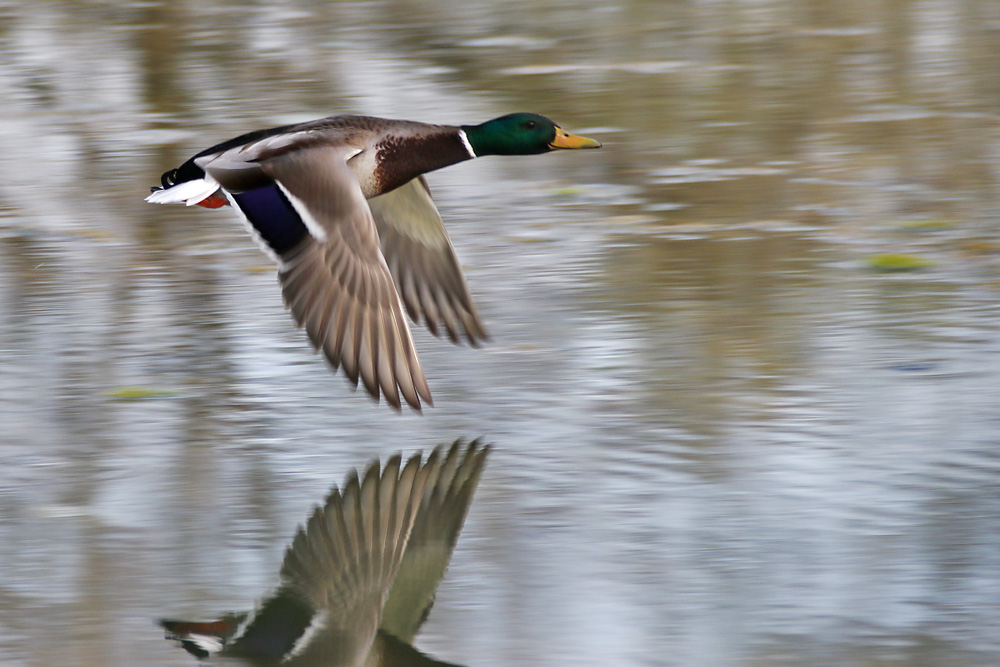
[530,125]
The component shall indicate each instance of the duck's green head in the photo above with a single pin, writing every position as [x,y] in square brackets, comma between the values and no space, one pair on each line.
[522,134]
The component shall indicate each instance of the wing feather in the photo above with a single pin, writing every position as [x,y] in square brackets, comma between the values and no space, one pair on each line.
[423,262]
[338,286]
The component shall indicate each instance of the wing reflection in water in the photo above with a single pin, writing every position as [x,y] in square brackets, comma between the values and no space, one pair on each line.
[359,579]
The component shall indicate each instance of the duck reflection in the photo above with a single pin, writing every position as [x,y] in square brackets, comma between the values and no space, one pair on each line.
[359,579]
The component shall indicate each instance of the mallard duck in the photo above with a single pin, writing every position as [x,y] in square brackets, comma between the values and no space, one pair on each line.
[342,206]
[360,578]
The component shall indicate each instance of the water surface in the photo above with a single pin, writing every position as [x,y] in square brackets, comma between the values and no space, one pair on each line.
[722,437]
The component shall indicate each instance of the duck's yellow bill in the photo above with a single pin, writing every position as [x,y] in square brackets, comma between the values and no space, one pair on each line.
[566,140]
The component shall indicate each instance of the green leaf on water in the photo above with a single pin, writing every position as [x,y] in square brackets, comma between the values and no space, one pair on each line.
[569,190]
[897,261]
[137,393]
[928,223]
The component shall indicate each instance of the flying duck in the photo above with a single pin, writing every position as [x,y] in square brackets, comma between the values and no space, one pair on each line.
[341,205]
[360,577]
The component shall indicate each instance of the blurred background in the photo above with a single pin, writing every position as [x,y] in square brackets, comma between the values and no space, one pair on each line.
[743,381]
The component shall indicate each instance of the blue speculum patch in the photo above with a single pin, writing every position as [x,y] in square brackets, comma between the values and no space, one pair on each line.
[273,216]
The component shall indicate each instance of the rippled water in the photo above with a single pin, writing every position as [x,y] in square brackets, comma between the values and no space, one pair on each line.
[722,436]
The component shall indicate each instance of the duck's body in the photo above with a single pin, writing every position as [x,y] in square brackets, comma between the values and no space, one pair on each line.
[382,154]
[341,205]
[360,578]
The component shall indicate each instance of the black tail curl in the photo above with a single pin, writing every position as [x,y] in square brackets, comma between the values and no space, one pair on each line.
[168,179]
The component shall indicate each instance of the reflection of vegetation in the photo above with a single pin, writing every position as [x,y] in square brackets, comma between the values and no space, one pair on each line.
[715,316]
[845,97]
[856,118]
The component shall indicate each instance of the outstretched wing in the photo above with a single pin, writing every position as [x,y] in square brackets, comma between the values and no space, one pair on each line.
[305,204]
[423,263]
[442,514]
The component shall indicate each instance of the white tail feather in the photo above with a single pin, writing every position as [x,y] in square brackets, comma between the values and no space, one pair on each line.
[206,643]
[188,192]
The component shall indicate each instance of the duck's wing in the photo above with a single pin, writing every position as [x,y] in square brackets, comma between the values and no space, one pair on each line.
[423,262]
[394,652]
[442,514]
[338,570]
[305,204]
